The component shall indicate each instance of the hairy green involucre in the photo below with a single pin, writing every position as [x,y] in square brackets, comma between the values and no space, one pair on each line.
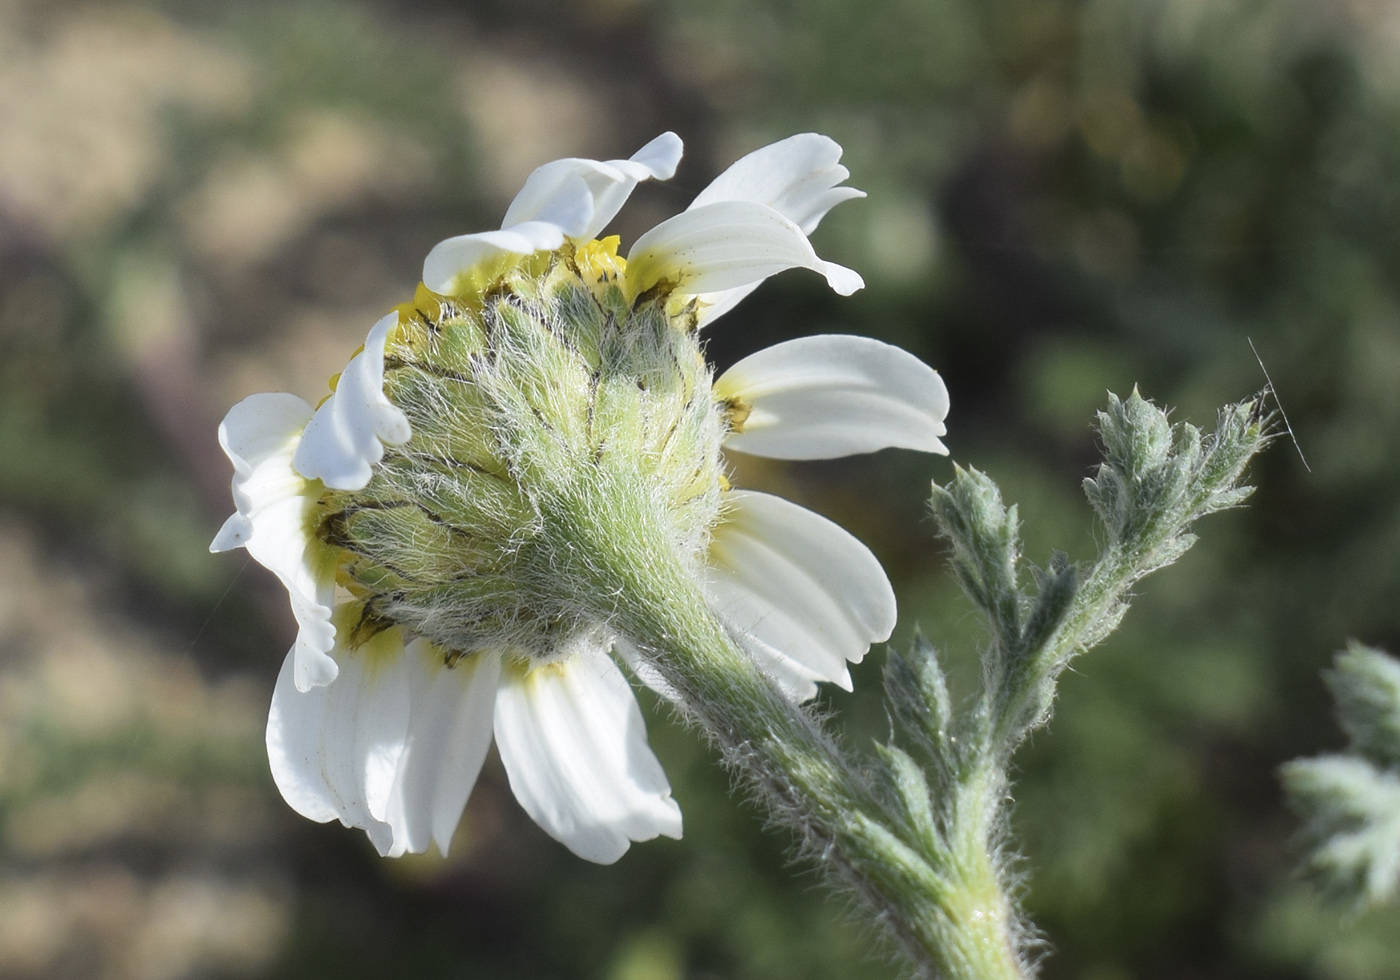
[550,400]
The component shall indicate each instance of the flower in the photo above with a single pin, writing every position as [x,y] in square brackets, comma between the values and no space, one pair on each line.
[528,452]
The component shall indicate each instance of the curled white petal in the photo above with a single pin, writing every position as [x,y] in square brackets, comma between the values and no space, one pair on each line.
[551,192]
[657,160]
[574,746]
[559,194]
[796,590]
[574,198]
[660,157]
[797,177]
[346,436]
[260,435]
[728,245]
[449,734]
[334,750]
[835,395]
[452,257]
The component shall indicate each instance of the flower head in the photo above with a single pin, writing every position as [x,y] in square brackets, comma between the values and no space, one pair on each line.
[528,447]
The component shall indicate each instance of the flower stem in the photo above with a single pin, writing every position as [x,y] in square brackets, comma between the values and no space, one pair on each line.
[945,910]
[950,917]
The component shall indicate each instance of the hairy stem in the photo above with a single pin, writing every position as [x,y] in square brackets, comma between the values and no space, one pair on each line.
[950,921]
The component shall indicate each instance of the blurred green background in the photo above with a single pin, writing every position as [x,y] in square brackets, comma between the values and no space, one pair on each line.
[200,199]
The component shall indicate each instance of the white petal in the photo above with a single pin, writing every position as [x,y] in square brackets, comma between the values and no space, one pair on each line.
[796,177]
[574,746]
[661,156]
[712,306]
[798,591]
[260,426]
[795,677]
[260,435]
[452,257]
[727,245]
[315,634]
[558,193]
[834,395]
[448,736]
[643,670]
[294,744]
[234,533]
[656,160]
[362,736]
[346,436]
[335,750]
[551,192]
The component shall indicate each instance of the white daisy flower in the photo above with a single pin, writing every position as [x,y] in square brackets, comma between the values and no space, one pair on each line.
[524,455]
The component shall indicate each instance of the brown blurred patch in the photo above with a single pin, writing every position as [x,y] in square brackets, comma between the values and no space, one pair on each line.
[250,205]
[126,780]
[80,103]
[529,111]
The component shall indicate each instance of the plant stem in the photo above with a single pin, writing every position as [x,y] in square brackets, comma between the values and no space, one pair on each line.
[950,917]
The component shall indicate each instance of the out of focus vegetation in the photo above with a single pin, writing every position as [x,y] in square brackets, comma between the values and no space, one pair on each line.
[201,199]
[1350,801]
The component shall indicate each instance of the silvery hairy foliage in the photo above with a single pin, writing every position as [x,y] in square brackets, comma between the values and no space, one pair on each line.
[1350,801]
[919,834]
